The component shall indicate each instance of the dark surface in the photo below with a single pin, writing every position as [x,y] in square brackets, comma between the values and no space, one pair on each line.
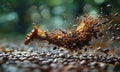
[41,57]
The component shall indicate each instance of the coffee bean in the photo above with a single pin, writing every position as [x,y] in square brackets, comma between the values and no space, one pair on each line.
[99,49]
[118,29]
[116,14]
[109,28]
[106,50]
[54,48]
[83,62]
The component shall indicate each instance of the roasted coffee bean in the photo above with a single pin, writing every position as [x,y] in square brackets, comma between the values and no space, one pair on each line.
[118,28]
[54,48]
[116,14]
[106,50]
[109,28]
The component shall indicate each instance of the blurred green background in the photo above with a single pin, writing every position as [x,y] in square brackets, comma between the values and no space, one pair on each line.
[17,16]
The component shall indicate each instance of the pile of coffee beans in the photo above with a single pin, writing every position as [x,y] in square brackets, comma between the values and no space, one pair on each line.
[55,59]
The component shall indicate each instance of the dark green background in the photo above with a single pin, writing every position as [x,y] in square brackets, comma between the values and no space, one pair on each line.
[17,16]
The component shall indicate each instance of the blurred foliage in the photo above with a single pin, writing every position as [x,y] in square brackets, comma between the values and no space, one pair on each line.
[17,16]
